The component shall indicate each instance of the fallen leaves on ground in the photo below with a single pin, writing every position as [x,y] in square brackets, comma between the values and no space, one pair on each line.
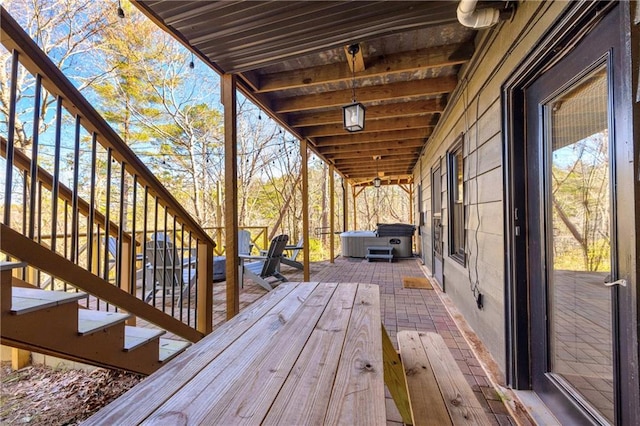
[40,395]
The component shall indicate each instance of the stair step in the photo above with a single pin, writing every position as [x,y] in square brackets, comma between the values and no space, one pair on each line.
[169,348]
[137,336]
[24,300]
[90,321]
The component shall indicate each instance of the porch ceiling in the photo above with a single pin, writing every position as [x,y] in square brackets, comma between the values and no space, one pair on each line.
[290,59]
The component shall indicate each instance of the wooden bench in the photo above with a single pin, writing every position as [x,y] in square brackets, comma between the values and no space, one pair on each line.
[435,390]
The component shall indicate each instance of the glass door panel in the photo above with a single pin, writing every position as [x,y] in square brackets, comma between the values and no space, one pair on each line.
[579,241]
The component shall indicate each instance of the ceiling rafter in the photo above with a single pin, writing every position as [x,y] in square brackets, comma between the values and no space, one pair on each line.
[377,66]
[290,59]
[398,109]
[384,92]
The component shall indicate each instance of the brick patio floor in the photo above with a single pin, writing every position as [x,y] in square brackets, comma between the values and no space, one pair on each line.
[402,309]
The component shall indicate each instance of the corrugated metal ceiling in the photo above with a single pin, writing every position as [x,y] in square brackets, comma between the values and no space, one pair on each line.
[291,60]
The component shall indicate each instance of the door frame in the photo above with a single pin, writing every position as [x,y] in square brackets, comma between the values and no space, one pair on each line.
[568,29]
[437,166]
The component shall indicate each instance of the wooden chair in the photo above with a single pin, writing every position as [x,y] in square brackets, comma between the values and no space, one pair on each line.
[165,270]
[265,270]
[291,259]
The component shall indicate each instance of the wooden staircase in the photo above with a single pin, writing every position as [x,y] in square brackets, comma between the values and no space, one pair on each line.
[53,323]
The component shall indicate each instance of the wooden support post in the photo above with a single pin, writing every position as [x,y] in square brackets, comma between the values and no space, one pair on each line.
[332,213]
[355,210]
[355,194]
[219,218]
[394,377]
[205,288]
[305,207]
[411,203]
[231,194]
[345,205]
[127,268]
[20,358]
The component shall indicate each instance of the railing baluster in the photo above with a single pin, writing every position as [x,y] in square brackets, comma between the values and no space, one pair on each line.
[34,155]
[145,217]
[98,260]
[164,261]
[8,183]
[65,244]
[195,305]
[74,202]
[66,220]
[188,253]
[154,239]
[25,195]
[174,275]
[39,217]
[134,201]
[107,218]
[119,260]
[65,233]
[92,204]
[56,174]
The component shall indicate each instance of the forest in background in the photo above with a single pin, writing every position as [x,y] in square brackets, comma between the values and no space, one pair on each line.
[165,105]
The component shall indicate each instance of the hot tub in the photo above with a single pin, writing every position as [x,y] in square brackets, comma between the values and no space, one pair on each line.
[355,243]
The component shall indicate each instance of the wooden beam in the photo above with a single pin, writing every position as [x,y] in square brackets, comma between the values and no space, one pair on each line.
[389,180]
[376,112]
[332,212]
[366,147]
[356,63]
[231,194]
[384,92]
[388,153]
[364,163]
[350,139]
[345,205]
[305,207]
[382,125]
[411,61]
[369,174]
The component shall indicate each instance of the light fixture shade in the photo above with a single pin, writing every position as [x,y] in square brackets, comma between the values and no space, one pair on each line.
[353,117]
[377,182]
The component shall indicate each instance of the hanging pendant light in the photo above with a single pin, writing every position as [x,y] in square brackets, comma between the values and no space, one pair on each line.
[353,114]
[377,181]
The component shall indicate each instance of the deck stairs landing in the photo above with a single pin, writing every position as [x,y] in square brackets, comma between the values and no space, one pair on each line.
[53,323]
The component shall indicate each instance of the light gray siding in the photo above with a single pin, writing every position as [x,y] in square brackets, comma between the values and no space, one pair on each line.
[476,110]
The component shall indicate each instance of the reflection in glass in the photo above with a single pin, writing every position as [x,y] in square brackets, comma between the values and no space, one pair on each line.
[580,314]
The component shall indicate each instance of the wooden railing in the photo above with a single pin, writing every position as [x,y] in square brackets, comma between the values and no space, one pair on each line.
[259,238]
[109,197]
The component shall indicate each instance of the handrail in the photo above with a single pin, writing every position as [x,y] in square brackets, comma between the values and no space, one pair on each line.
[260,240]
[23,163]
[108,220]
[56,83]
[25,249]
